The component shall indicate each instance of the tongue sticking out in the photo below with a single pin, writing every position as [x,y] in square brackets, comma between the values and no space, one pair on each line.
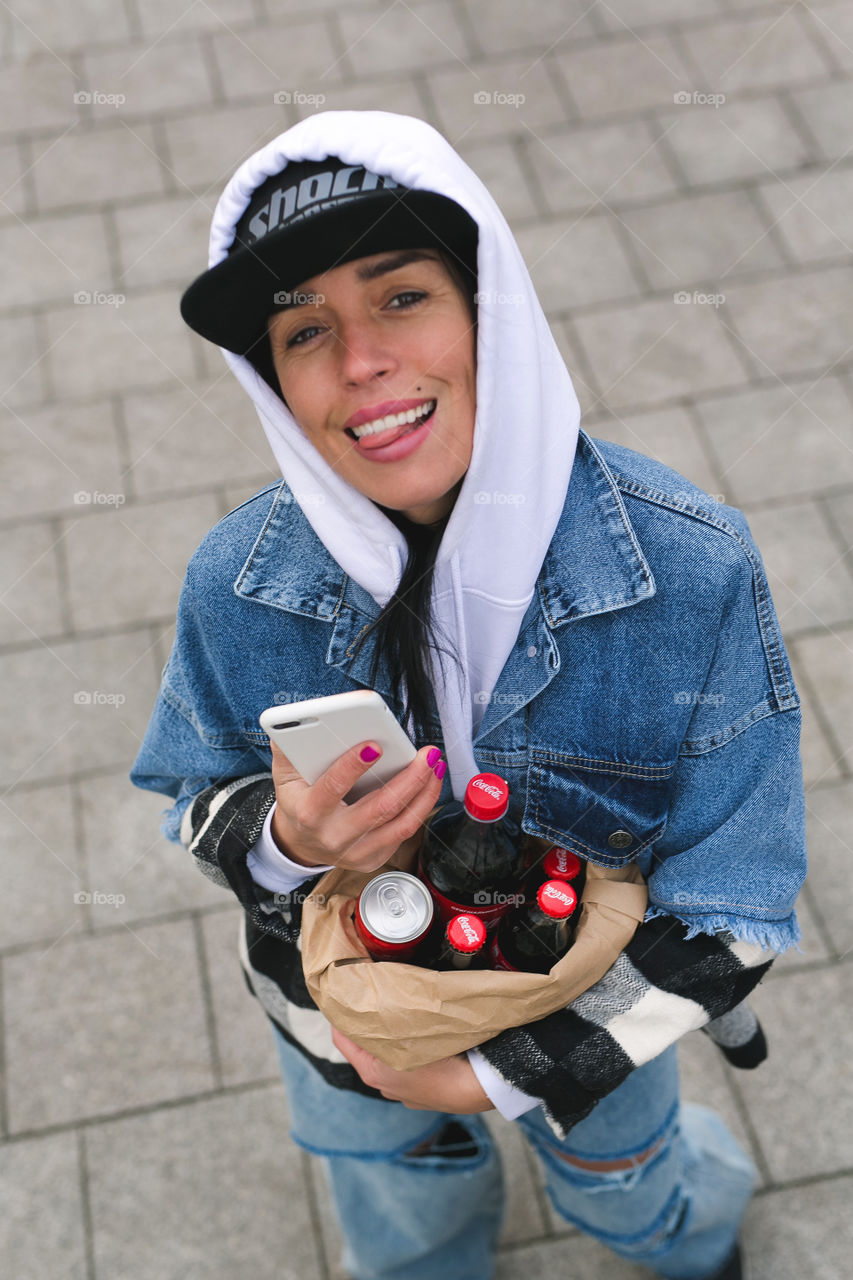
[382,438]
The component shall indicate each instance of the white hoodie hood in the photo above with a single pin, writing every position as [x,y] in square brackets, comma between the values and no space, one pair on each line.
[525,432]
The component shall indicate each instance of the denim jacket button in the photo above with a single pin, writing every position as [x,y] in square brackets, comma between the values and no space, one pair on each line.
[619,839]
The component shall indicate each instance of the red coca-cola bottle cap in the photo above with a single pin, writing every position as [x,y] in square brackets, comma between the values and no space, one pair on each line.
[466,933]
[487,797]
[557,899]
[561,864]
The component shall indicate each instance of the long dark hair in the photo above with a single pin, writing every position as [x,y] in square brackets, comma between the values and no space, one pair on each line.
[404,631]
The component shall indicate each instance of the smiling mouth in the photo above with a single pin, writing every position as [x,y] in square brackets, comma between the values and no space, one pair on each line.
[393,427]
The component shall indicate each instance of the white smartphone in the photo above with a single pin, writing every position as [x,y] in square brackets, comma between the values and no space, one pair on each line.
[314,733]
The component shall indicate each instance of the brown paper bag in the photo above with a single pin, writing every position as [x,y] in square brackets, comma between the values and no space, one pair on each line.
[408,1016]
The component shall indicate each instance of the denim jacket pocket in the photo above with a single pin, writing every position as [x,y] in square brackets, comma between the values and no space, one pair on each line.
[606,811]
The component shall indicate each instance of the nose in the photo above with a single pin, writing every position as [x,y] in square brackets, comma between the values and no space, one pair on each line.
[365,353]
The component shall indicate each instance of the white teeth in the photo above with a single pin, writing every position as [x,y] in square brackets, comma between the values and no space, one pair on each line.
[393,420]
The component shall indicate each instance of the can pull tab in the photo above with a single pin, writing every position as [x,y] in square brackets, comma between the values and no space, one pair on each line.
[392,900]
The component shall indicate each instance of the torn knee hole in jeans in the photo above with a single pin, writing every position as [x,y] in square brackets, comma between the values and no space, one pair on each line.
[452,1140]
[609,1166]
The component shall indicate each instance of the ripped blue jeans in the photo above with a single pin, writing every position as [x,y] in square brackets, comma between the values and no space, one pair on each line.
[437,1214]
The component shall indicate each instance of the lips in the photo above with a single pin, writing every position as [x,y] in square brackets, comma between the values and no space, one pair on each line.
[387,407]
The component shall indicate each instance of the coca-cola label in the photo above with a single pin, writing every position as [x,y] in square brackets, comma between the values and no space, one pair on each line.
[557,899]
[482,785]
[466,933]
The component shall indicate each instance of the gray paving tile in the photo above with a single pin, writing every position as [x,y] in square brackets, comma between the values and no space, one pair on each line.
[812,213]
[799,1101]
[35,1174]
[164,241]
[755,52]
[263,60]
[501,26]
[401,96]
[585,388]
[578,263]
[126,856]
[201,435]
[613,162]
[809,582]
[38,93]
[402,38]
[155,77]
[206,148]
[826,109]
[498,167]
[739,139]
[99,348]
[624,74]
[52,453]
[159,18]
[244,1037]
[98,1024]
[549,1257]
[22,372]
[781,441]
[236,495]
[821,759]
[617,15]
[81,168]
[41,867]
[475,102]
[668,435]
[223,1183]
[29,583]
[50,259]
[657,350]
[701,238]
[113,681]
[150,545]
[812,948]
[830,845]
[59,29]
[833,24]
[13,192]
[805,1231]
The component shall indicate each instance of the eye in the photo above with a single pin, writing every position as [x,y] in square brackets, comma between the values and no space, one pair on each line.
[414,296]
[302,335]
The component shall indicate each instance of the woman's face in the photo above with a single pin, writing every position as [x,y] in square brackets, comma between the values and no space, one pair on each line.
[383,336]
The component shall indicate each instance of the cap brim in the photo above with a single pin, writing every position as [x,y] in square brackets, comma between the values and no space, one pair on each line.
[229,304]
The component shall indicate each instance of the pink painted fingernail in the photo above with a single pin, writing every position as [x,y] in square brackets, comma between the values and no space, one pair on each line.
[368,753]
[433,755]
[440,770]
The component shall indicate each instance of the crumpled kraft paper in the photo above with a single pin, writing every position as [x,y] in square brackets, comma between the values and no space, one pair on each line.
[408,1016]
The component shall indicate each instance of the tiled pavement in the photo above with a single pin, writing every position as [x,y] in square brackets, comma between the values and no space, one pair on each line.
[661,147]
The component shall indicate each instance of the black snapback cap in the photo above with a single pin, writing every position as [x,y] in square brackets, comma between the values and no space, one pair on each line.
[312,216]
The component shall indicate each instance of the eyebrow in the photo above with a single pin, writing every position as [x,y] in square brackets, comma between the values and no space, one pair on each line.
[402,259]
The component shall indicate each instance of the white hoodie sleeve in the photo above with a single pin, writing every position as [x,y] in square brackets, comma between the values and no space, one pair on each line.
[272,869]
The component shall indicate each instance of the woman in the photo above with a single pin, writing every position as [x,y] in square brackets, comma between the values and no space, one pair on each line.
[571,614]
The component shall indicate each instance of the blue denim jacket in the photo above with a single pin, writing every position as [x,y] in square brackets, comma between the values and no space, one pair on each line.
[647,712]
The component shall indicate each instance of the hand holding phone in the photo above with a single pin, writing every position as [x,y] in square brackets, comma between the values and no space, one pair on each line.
[313,823]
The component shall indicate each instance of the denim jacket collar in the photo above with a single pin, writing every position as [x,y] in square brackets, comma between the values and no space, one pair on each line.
[593,565]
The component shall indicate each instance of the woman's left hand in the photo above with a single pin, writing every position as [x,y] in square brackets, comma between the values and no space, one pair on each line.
[449,1085]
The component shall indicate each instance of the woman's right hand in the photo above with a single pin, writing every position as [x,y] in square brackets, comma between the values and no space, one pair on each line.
[313,826]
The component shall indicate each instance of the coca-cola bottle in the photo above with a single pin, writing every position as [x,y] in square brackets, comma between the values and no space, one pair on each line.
[460,944]
[471,859]
[533,937]
[557,864]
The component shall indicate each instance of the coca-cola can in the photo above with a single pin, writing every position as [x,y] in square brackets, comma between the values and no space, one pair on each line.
[393,915]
